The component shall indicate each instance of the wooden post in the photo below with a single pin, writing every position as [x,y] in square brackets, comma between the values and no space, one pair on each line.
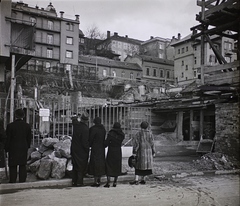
[191,127]
[201,123]
[202,43]
[12,88]
[179,126]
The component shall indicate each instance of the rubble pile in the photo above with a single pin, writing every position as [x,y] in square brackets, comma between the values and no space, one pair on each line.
[216,161]
[51,159]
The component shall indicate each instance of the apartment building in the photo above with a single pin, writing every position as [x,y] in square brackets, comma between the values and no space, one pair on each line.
[103,68]
[120,45]
[56,38]
[187,62]
[158,47]
[155,71]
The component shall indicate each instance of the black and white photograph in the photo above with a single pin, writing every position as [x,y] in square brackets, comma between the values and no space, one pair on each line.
[119,102]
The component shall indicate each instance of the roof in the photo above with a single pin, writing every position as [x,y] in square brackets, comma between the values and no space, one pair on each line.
[156,60]
[156,39]
[108,62]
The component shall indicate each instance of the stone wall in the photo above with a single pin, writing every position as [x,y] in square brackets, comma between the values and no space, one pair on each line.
[227,129]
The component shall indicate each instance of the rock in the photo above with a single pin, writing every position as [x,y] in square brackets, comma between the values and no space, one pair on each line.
[47,152]
[30,151]
[34,166]
[58,167]
[64,148]
[36,155]
[49,142]
[69,165]
[45,169]
[55,154]
[65,137]
[42,148]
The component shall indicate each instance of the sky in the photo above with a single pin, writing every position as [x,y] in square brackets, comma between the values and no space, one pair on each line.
[139,19]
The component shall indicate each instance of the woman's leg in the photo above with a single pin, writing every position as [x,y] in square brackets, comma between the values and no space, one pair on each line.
[135,182]
[108,182]
[143,181]
[115,181]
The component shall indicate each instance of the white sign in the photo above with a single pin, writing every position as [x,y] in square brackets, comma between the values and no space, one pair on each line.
[44,112]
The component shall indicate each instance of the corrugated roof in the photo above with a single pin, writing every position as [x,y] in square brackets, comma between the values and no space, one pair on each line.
[108,62]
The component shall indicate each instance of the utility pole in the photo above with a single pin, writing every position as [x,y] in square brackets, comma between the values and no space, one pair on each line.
[12,88]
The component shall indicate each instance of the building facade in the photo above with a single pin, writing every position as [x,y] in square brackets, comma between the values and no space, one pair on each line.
[155,71]
[187,62]
[123,46]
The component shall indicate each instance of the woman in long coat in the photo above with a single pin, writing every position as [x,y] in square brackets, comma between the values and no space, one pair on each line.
[2,143]
[79,149]
[143,148]
[114,141]
[96,165]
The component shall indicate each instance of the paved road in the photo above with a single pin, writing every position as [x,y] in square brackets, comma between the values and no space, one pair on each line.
[218,190]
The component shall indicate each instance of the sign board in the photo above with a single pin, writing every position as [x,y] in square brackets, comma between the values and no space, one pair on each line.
[44,112]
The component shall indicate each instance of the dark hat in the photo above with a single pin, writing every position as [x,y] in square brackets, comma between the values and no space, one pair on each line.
[132,160]
[84,116]
[19,114]
[144,125]
[116,125]
[97,120]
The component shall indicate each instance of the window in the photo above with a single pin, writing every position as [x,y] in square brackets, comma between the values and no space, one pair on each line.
[160,46]
[49,53]
[68,67]
[147,72]
[82,40]
[69,26]
[48,65]
[154,73]
[228,46]
[33,21]
[131,75]
[186,48]
[114,73]
[50,39]
[123,74]
[195,60]
[160,56]
[69,40]
[182,74]
[50,25]
[161,73]
[182,50]
[195,74]
[168,74]
[186,67]
[182,63]
[178,51]
[104,72]
[69,54]
[195,48]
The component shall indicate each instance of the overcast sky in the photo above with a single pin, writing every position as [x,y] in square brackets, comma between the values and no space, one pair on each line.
[139,19]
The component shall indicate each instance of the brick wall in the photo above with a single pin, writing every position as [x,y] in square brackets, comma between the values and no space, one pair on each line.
[227,129]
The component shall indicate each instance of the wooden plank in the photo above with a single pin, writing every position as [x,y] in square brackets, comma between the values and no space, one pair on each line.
[224,78]
[208,70]
[228,4]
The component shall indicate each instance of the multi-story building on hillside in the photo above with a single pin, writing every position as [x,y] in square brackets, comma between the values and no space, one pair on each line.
[103,68]
[187,62]
[155,71]
[159,47]
[56,38]
[123,46]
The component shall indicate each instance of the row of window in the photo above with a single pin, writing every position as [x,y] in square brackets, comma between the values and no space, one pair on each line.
[50,24]
[183,50]
[155,73]
[69,54]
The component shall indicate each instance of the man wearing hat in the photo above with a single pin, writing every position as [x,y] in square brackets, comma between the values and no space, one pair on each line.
[80,149]
[17,144]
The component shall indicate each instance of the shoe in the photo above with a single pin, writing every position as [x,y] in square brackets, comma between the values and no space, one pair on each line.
[80,185]
[95,185]
[135,182]
[142,182]
[114,184]
[107,185]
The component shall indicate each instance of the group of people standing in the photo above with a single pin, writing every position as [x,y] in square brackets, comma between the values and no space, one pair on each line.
[87,150]
[92,140]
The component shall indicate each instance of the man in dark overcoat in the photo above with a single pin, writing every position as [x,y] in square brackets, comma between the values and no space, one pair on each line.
[79,149]
[17,145]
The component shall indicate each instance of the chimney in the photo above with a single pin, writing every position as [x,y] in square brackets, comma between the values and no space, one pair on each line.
[151,37]
[61,14]
[126,36]
[108,34]
[179,36]
[115,34]
[77,17]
